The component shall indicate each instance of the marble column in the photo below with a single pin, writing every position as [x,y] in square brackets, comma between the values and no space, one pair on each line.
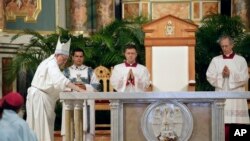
[104,12]
[218,126]
[78,16]
[61,12]
[1,15]
[78,120]
[242,8]
[68,120]
[115,108]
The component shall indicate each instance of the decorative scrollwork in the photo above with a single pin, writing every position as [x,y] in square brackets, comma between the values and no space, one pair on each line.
[29,9]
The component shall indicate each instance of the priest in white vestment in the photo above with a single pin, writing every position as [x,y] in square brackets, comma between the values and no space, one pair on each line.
[46,85]
[130,76]
[84,77]
[229,72]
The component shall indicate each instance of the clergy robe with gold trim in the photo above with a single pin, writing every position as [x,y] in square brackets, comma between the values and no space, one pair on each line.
[92,84]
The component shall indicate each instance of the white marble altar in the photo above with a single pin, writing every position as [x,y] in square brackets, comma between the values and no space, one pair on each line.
[127,110]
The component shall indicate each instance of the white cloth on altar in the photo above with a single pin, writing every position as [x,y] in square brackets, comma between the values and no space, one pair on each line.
[236,110]
[89,78]
[46,85]
[119,76]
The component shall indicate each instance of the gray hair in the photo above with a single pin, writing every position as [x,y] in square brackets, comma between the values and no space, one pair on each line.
[223,37]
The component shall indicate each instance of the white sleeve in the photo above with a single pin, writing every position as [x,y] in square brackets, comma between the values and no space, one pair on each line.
[240,77]
[58,79]
[118,81]
[214,76]
[144,81]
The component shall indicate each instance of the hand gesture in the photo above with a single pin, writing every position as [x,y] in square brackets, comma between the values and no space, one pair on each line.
[82,86]
[226,72]
[82,90]
[129,74]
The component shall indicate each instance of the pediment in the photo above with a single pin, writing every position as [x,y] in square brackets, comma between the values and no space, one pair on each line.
[168,27]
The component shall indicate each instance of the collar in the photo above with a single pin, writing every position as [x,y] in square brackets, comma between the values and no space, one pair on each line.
[7,113]
[230,56]
[82,67]
[130,65]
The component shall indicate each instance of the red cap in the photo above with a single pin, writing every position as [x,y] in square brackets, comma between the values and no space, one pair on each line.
[14,99]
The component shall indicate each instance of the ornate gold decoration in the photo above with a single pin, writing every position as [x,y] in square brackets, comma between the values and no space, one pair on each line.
[169,29]
[43,32]
[103,74]
[29,9]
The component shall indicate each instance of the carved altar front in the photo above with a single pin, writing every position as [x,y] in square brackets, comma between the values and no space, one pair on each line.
[182,116]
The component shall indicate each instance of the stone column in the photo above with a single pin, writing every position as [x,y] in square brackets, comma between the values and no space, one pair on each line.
[1,15]
[78,120]
[78,16]
[68,120]
[115,120]
[218,126]
[242,8]
[104,12]
[61,12]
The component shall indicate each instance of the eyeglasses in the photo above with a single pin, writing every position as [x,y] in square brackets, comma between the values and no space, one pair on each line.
[65,57]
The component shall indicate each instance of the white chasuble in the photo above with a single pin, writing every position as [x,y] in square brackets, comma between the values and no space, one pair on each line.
[46,85]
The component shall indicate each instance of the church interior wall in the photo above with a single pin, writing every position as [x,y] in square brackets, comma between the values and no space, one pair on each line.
[192,10]
[91,15]
[5,58]
[7,52]
[101,12]
[43,16]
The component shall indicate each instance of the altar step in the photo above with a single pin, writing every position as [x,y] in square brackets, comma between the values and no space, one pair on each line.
[101,135]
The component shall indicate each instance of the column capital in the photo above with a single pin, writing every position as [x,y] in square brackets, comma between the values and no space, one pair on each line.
[68,104]
[114,104]
[220,103]
[78,105]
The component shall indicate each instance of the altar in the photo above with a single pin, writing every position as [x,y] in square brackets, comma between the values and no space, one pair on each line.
[155,116]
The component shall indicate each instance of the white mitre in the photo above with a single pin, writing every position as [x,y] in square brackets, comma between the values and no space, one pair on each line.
[62,48]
